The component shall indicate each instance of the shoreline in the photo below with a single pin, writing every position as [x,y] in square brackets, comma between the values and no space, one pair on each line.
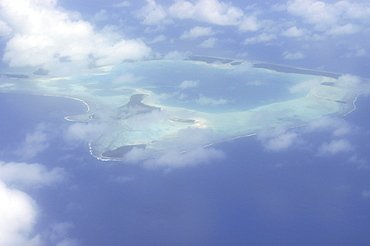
[224,61]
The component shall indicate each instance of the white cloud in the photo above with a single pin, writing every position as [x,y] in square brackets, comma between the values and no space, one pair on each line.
[188,84]
[206,11]
[262,38]
[209,11]
[209,43]
[176,55]
[293,56]
[343,30]
[4,29]
[158,39]
[84,132]
[122,4]
[335,18]
[338,127]
[102,15]
[35,143]
[43,34]
[335,147]
[249,23]
[190,149]
[153,14]
[278,139]
[305,86]
[29,175]
[294,32]
[355,83]
[315,12]
[210,101]
[197,32]
[18,213]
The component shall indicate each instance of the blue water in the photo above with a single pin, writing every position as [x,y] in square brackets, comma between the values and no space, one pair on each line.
[226,89]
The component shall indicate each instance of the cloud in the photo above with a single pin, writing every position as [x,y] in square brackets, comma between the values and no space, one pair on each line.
[206,11]
[354,83]
[278,139]
[102,15]
[335,18]
[210,101]
[158,39]
[314,12]
[176,55]
[249,23]
[153,14]
[305,86]
[262,38]
[30,175]
[197,32]
[18,213]
[294,32]
[356,52]
[122,4]
[293,56]
[343,30]
[4,29]
[84,131]
[34,144]
[335,147]
[190,149]
[338,127]
[209,11]
[209,43]
[58,234]
[188,84]
[43,34]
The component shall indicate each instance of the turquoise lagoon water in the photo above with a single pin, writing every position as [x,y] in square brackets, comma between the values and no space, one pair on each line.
[228,88]
[156,106]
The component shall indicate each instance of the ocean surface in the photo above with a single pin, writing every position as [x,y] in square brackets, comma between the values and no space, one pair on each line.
[218,100]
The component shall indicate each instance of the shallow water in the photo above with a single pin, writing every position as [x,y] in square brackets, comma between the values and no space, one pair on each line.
[186,104]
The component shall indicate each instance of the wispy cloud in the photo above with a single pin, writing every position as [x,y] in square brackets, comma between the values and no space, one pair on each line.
[122,4]
[211,101]
[334,147]
[188,84]
[209,43]
[30,175]
[197,32]
[278,139]
[262,38]
[293,56]
[34,144]
[18,210]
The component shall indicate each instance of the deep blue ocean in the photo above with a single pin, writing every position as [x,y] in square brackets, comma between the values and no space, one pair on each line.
[253,196]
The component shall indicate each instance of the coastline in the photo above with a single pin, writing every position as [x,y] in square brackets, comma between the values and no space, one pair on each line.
[211,61]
